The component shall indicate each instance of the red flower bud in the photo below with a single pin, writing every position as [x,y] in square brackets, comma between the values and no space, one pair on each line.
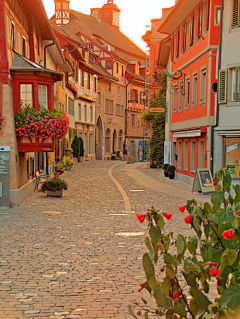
[157,248]
[228,234]
[167,215]
[181,208]
[214,272]
[212,263]
[214,182]
[176,296]
[140,217]
[141,288]
[188,219]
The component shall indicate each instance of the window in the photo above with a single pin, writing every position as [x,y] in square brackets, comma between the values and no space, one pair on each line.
[70,106]
[193,156]
[13,35]
[122,110]
[111,107]
[187,35]
[179,162]
[191,30]
[79,112]
[175,100]
[235,14]
[133,120]
[95,83]
[76,72]
[184,36]
[187,94]
[66,102]
[185,163]
[89,81]
[107,106]
[83,79]
[134,96]
[217,18]
[90,47]
[118,90]
[26,94]
[200,21]
[110,87]
[85,113]
[99,98]
[180,101]
[203,86]
[109,65]
[91,114]
[118,111]
[42,96]
[235,83]
[122,69]
[23,46]
[117,67]
[194,90]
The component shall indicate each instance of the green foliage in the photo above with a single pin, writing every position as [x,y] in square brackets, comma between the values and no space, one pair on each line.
[76,147]
[53,184]
[157,122]
[210,258]
[68,161]
[165,166]
[171,168]
[81,147]
[59,167]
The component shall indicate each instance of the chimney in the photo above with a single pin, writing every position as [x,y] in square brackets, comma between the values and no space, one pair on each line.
[95,12]
[62,12]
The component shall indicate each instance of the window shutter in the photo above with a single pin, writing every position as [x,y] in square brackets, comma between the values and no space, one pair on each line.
[207,15]
[191,29]
[183,39]
[172,47]
[237,97]
[200,20]
[222,87]
[235,13]
[177,43]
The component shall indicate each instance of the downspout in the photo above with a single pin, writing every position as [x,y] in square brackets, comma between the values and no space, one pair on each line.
[45,52]
[219,68]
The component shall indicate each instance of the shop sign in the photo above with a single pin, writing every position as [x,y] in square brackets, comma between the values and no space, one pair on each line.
[232,147]
[167,153]
[203,181]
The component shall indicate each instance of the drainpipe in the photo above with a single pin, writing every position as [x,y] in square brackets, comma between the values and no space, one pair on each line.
[45,52]
[219,68]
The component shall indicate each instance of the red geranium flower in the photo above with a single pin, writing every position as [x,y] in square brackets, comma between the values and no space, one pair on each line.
[214,272]
[228,234]
[176,296]
[181,208]
[212,263]
[238,211]
[188,219]
[140,217]
[148,213]
[167,215]
[157,248]
[214,182]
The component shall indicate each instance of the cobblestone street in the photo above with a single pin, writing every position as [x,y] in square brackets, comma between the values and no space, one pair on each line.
[80,256]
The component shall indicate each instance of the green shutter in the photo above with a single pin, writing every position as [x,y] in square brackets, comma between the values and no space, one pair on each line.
[235,13]
[237,88]
[222,87]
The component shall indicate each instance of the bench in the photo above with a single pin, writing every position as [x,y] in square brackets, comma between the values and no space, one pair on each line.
[40,178]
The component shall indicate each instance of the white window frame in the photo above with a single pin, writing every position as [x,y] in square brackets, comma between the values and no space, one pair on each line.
[26,94]
[43,95]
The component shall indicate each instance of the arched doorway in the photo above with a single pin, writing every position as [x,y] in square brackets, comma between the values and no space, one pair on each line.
[114,141]
[99,136]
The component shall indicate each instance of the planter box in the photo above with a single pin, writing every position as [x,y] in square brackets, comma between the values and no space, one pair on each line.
[54,194]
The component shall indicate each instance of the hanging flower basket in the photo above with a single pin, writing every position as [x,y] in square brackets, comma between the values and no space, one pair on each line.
[42,124]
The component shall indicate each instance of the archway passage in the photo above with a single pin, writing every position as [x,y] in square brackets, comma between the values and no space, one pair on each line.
[99,136]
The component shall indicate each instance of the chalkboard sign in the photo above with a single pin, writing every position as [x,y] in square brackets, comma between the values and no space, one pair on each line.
[203,181]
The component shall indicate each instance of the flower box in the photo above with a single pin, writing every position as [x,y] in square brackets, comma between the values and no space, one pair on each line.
[54,193]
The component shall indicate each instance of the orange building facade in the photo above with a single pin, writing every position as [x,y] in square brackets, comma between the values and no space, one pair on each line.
[193,38]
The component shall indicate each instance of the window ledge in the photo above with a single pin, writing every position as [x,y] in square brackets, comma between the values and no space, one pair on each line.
[232,103]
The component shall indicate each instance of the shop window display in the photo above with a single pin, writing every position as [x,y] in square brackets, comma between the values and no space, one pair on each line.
[232,156]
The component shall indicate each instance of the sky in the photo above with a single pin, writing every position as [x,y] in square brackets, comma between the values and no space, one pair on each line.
[134,15]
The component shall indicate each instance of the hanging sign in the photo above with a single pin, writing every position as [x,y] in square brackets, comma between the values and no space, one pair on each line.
[231,147]
[203,181]
[157,109]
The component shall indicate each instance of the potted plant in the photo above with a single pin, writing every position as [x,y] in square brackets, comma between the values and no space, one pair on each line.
[171,171]
[68,162]
[76,148]
[54,186]
[165,167]
[59,167]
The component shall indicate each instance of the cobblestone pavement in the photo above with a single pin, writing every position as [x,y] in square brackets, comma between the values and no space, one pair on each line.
[82,257]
